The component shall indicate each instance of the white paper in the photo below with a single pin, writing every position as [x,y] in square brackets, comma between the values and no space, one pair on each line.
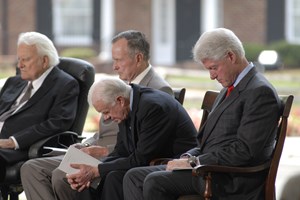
[76,156]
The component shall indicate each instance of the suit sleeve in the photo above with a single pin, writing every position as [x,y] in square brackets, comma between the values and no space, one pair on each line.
[61,112]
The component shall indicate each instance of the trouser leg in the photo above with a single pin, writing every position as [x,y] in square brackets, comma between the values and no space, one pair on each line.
[61,188]
[112,187]
[36,177]
[134,179]
[167,185]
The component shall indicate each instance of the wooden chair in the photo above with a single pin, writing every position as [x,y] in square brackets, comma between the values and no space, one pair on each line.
[207,103]
[206,171]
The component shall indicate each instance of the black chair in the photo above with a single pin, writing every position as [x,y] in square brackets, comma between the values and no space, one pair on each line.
[84,73]
[179,94]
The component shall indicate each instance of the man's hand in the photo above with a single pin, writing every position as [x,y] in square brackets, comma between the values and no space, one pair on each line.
[7,143]
[96,151]
[82,179]
[181,163]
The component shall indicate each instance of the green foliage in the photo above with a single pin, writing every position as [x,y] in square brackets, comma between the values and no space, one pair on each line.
[288,52]
[253,50]
[82,53]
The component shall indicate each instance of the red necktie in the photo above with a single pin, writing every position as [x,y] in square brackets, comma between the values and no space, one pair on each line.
[229,89]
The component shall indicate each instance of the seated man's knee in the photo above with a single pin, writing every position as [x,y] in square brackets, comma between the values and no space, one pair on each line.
[129,176]
[114,177]
[27,167]
[58,178]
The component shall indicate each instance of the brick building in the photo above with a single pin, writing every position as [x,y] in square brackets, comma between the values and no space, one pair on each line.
[172,26]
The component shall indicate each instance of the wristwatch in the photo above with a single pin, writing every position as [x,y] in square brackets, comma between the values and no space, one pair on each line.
[193,161]
[86,144]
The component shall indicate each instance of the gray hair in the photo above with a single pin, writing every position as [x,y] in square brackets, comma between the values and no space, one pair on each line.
[107,89]
[137,42]
[216,43]
[44,45]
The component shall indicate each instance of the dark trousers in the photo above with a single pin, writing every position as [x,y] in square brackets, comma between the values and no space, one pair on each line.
[111,187]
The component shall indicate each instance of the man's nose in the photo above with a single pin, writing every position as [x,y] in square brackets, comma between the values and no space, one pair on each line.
[212,75]
[115,66]
[106,117]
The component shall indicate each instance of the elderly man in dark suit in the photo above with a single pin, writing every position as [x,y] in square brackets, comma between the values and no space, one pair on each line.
[240,130]
[130,53]
[47,107]
[152,124]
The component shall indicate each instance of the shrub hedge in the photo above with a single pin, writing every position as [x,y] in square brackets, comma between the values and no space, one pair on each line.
[289,53]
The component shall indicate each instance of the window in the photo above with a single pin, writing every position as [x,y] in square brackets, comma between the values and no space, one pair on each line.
[72,22]
[293,21]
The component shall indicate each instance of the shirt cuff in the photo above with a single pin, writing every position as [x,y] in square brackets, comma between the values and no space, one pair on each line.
[185,155]
[15,141]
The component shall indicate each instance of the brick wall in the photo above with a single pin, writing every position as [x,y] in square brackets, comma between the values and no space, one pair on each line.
[247,19]
[133,14]
[21,18]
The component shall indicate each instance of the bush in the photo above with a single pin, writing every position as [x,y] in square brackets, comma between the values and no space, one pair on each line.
[82,53]
[289,53]
[253,50]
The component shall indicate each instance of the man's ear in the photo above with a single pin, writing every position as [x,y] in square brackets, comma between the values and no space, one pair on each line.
[139,57]
[45,62]
[120,100]
[231,56]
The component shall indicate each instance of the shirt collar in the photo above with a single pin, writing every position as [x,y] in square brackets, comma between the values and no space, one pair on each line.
[36,84]
[243,74]
[140,77]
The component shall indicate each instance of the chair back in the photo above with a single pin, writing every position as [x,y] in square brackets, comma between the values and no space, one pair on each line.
[270,190]
[179,94]
[84,73]
[207,103]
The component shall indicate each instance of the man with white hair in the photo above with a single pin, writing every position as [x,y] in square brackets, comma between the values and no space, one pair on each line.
[38,102]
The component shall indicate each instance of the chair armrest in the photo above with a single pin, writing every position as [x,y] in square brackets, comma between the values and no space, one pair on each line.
[160,161]
[204,169]
[60,140]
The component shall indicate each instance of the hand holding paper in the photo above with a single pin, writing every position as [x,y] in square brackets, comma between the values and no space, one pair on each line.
[76,156]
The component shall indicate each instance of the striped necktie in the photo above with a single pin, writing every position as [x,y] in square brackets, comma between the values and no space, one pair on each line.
[12,109]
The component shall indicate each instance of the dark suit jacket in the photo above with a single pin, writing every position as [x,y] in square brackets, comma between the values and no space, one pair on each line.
[108,131]
[160,126]
[50,110]
[240,131]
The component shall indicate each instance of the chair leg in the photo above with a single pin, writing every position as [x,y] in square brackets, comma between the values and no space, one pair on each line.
[207,193]
[14,196]
[4,193]
[10,193]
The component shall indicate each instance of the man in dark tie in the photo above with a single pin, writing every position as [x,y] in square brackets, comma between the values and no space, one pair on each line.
[38,102]
[152,124]
[240,130]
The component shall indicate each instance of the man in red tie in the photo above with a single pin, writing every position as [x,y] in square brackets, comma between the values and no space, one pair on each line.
[240,131]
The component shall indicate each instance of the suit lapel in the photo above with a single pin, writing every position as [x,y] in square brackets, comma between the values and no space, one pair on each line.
[223,103]
[12,93]
[147,78]
[136,99]
[43,90]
